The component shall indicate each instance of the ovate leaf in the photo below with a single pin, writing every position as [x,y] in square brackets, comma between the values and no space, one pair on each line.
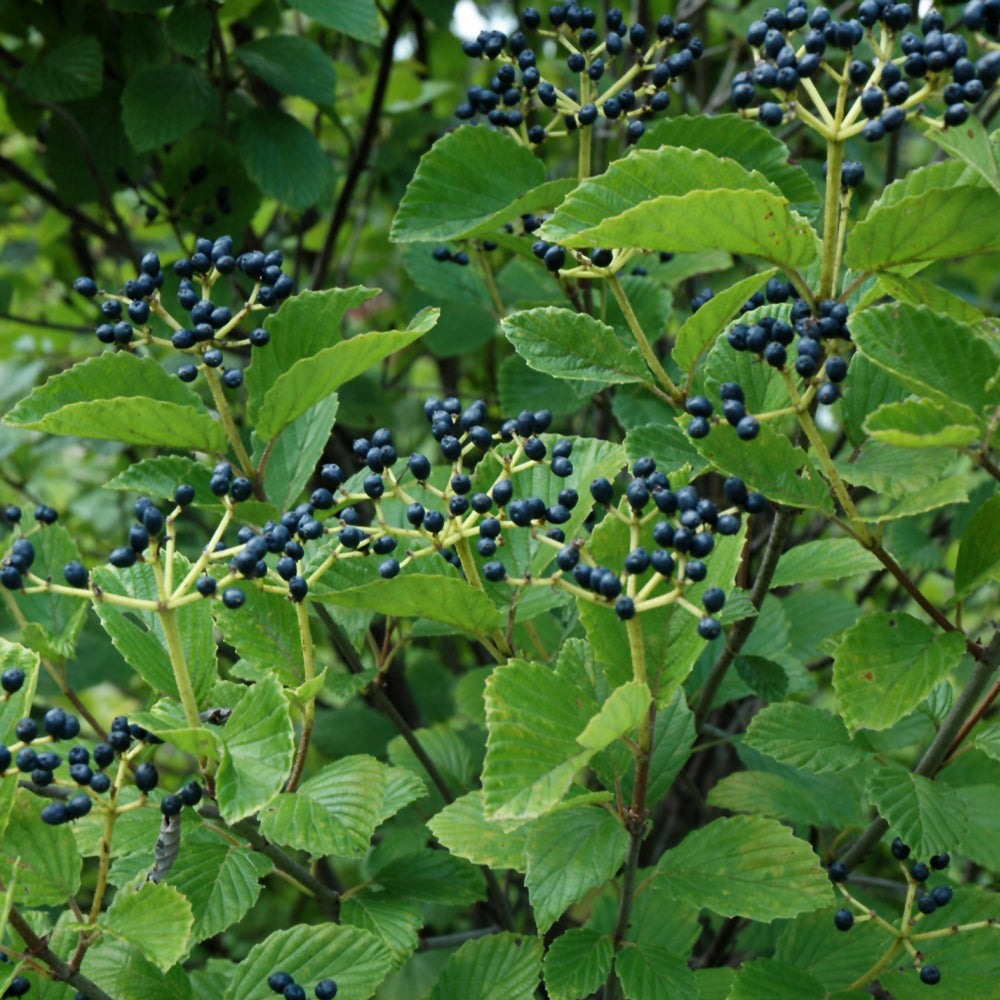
[577,963]
[156,921]
[979,550]
[96,398]
[394,921]
[573,345]
[151,120]
[970,143]
[924,423]
[747,866]
[357,18]
[928,815]
[767,977]
[569,853]
[824,559]
[805,737]
[67,72]
[455,193]
[648,972]
[886,664]
[497,967]
[291,64]
[465,830]
[258,751]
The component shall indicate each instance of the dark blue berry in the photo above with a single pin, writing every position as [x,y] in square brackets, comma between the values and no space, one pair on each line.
[930,974]
[940,861]
[233,597]
[146,777]
[709,628]
[326,989]
[56,813]
[843,920]
[277,981]
[919,872]
[495,571]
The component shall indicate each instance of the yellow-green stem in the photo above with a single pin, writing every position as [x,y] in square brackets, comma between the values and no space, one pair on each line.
[104,865]
[226,416]
[178,661]
[309,709]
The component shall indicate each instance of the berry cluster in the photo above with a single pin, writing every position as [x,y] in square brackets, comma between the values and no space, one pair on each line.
[284,985]
[886,91]
[645,69]
[210,327]
[926,901]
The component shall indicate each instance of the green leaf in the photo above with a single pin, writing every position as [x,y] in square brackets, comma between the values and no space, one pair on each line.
[454,194]
[334,812]
[573,345]
[866,390]
[150,121]
[577,963]
[356,960]
[970,143]
[768,977]
[220,876]
[119,969]
[294,456]
[291,64]
[156,921]
[747,866]
[498,967]
[167,720]
[823,559]
[304,326]
[456,602]
[924,423]
[446,748]
[887,664]
[897,473]
[357,18]
[930,354]
[570,852]
[928,815]
[683,201]
[764,677]
[431,877]
[949,491]
[619,715]
[284,158]
[52,621]
[672,447]
[921,292]
[259,747]
[805,737]
[933,224]
[648,972]
[46,859]
[139,635]
[534,717]
[265,633]
[979,551]
[394,921]
[160,476]
[742,139]
[312,379]
[770,463]
[189,31]
[96,398]
[67,72]
[701,328]
[788,795]
[464,829]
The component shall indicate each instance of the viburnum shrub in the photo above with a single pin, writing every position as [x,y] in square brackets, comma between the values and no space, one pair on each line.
[647,653]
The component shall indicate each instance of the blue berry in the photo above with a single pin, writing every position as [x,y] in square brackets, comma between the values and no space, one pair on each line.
[277,981]
[191,793]
[843,920]
[748,428]
[637,493]
[930,974]
[233,597]
[495,571]
[942,895]
[602,490]
[919,872]
[26,730]
[326,989]
[838,872]
[171,805]
[146,777]
[625,608]
[714,599]
[298,587]
[926,904]
[104,756]
[55,814]
[709,628]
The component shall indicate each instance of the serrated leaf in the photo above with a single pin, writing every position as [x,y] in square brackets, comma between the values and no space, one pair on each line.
[96,398]
[619,715]
[445,747]
[394,921]
[431,877]
[742,139]
[921,292]
[573,345]
[220,876]
[47,860]
[167,720]
[334,812]
[312,379]
[355,959]
[291,64]
[928,815]
[747,866]
[767,679]
[534,717]
[149,120]
[569,853]
[67,72]
[788,795]
[770,463]
[577,963]
[886,664]
[498,967]
[768,977]
[951,490]
[934,224]
[284,158]
[401,788]
[357,18]
[866,390]
[462,827]
[674,450]
[970,143]
[805,737]
[683,201]
[189,31]
[823,559]
[933,355]
[156,921]
[702,327]
[160,476]
[258,751]
[453,194]
[897,473]
[649,972]
[924,423]
[120,970]
[979,551]
[456,602]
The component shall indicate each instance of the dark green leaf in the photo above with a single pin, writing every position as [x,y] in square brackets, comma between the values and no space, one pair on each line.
[291,64]
[431,877]
[394,921]
[189,30]
[150,119]
[824,559]
[284,158]
[648,972]
[357,18]
[497,967]
[767,977]
[577,963]
[979,551]
[67,72]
